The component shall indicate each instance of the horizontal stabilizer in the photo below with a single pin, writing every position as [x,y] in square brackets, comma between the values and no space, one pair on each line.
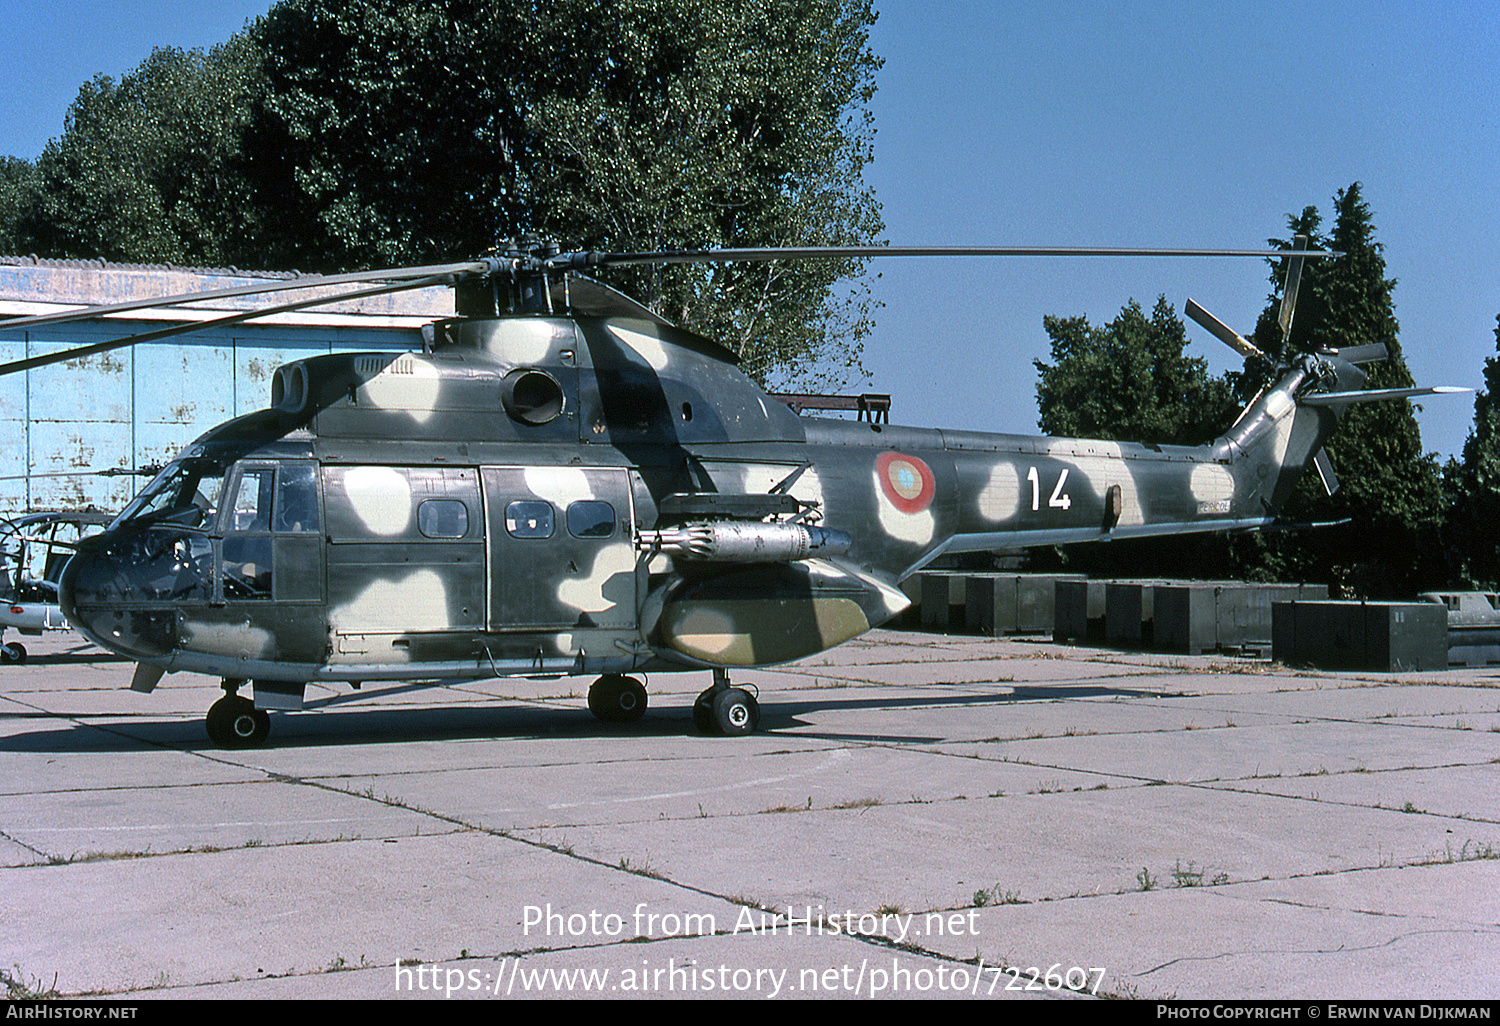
[1371,395]
[1372,353]
[1307,525]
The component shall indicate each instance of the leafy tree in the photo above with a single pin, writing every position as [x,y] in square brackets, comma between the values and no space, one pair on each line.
[1129,380]
[345,134]
[1473,487]
[17,183]
[144,168]
[396,131]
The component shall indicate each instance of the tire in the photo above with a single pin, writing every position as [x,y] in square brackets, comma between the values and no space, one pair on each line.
[615,698]
[736,713]
[13,652]
[234,722]
[703,712]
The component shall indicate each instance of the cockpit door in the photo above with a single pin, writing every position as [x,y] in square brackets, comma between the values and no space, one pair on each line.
[271,548]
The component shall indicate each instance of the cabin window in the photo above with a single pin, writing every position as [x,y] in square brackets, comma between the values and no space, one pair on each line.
[529,519]
[590,518]
[443,518]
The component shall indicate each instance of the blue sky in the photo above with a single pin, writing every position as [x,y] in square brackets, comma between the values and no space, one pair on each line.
[1091,124]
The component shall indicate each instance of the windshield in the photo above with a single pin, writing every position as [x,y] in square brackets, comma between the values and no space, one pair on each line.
[186,492]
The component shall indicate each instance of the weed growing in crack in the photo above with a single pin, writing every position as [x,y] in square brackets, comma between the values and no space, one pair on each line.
[19,987]
[996,895]
[640,869]
[1193,876]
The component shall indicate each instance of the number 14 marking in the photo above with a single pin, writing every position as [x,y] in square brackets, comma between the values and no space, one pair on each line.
[1059,499]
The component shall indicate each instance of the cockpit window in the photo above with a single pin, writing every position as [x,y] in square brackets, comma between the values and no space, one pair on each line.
[297,498]
[187,492]
[252,501]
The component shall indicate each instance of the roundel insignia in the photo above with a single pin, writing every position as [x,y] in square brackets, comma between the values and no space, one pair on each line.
[906,481]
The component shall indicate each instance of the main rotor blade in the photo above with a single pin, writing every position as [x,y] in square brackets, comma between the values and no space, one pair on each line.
[79,352]
[285,285]
[1221,331]
[723,256]
[1289,293]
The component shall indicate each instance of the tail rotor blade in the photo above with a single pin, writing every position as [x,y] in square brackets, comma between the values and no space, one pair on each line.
[1289,293]
[1221,331]
[1325,471]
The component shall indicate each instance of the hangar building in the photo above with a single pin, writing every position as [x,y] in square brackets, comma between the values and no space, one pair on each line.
[137,407]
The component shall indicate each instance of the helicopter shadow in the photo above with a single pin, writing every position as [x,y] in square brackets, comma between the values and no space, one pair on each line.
[514,721]
[74,658]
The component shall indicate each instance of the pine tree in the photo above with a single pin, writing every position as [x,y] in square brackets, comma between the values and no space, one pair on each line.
[1390,491]
[1473,486]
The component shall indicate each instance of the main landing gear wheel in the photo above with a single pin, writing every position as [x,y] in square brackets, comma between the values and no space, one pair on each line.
[234,722]
[615,698]
[13,652]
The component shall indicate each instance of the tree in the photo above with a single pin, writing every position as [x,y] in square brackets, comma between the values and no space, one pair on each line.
[395,131]
[1390,490]
[17,183]
[144,170]
[348,134]
[1129,380]
[1473,487]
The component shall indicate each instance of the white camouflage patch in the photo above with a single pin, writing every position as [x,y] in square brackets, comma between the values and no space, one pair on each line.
[917,528]
[609,583]
[407,384]
[1104,466]
[416,602]
[651,349]
[1000,499]
[381,497]
[558,485]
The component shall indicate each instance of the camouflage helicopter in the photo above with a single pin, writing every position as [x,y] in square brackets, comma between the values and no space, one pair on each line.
[563,483]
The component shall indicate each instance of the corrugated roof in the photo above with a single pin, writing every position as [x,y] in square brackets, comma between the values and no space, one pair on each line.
[30,284]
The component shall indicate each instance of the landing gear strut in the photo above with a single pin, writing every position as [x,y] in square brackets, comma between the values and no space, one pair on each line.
[234,722]
[726,710]
[615,698]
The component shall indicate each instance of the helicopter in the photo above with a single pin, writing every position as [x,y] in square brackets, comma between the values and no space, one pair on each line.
[563,483]
[34,550]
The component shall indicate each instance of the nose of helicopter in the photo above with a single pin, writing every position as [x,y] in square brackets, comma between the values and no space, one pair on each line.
[80,606]
[121,590]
